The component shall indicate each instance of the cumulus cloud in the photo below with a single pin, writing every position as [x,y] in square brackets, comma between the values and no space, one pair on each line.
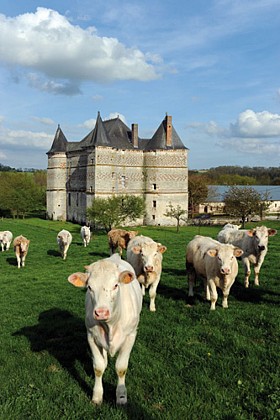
[113,115]
[44,120]
[50,86]
[256,124]
[47,42]
[89,124]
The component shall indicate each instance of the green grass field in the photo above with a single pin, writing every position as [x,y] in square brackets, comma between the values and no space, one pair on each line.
[187,362]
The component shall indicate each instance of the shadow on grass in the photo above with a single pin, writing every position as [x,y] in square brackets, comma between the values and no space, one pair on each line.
[63,336]
[12,261]
[254,294]
[54,253]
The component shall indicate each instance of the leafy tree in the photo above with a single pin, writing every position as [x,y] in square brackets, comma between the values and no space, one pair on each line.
[114,211]
[244,202]
[198,191]
[176,213]
[19,194]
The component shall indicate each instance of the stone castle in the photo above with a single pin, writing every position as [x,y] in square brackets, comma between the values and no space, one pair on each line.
[113,160]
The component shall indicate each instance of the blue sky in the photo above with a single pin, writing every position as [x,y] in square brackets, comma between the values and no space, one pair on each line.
[213,65]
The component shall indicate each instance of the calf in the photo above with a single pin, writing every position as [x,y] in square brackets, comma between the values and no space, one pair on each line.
[254,243]
[216,263]
[119,238]
[21,245]
[113,306]
[64,239]
[6,238]
[85,234]
[145,256]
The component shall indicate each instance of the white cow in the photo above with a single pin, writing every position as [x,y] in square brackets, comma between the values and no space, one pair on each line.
[6,238]
[21,245]
[145,256]
[64,239]
[85,234]
[216,263]
[225,233]
[113,306]
[254,243]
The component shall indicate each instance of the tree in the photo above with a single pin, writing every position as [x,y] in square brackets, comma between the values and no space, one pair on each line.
[198,191]
[244,202]
[114,211]
[176,213]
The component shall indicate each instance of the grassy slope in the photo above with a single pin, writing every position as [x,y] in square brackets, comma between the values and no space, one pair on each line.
[187,362]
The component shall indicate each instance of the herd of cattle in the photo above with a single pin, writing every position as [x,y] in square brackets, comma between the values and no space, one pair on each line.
[114,298]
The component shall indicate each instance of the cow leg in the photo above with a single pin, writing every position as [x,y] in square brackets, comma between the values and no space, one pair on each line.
[99,360]
[152,294]
[121,368]
[191,278]
[213,293]
[18,261]
[23,260]
[225,299]
[246,263]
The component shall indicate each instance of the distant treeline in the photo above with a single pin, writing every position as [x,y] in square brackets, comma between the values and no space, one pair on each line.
[240,175]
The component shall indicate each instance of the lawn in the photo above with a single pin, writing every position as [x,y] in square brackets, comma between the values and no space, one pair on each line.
[187,362]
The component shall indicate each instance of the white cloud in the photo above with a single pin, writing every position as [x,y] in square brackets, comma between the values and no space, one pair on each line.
[256,124]
[3,156]
[47,42]
[113,115]
[25,139]
[44,120]
[89,124]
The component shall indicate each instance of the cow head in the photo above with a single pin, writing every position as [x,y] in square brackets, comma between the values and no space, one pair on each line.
[225,255]
[151,254]
[103,280]
[260,236]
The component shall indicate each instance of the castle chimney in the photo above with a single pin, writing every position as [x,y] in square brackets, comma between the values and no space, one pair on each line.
[134,135]
[168,130]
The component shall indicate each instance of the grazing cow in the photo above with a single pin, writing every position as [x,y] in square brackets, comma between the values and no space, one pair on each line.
[119,238]
[85,234]
[254,243]
[21,245]
[6,238]
[216,263]
[225,233]
[145,256]
[113,306]
[64,239]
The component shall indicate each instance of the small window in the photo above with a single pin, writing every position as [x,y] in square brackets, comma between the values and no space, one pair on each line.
[90,188]
[154,204]
[154,186]
[69,199]
[153,217]
[77,199]
[123,181]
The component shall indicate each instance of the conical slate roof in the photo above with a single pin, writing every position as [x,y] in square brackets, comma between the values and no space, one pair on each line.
[59,142]
[158,141]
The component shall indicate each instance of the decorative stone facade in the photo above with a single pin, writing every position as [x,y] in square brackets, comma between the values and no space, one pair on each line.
[113,160]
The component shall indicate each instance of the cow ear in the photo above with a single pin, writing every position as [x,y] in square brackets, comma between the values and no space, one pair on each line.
[78,279]
[212,252]
[272,232]
[136,249]
[126,277]
[250,232]
[237,252]
[162,248]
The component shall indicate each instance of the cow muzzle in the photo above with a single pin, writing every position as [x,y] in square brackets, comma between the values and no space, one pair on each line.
[225,270]
[149,268]
[261,248]
[101,314]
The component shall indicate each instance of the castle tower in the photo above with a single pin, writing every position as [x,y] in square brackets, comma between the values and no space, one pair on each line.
[165,160]
[57,178]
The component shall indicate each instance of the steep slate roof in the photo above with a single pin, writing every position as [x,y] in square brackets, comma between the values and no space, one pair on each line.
[115,133]
[59,143]
[158,141]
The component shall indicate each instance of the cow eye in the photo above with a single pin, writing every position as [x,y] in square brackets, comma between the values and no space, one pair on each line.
[116,286]
[89,288]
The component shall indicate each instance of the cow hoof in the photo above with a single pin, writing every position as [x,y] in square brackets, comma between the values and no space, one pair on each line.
[121,395]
